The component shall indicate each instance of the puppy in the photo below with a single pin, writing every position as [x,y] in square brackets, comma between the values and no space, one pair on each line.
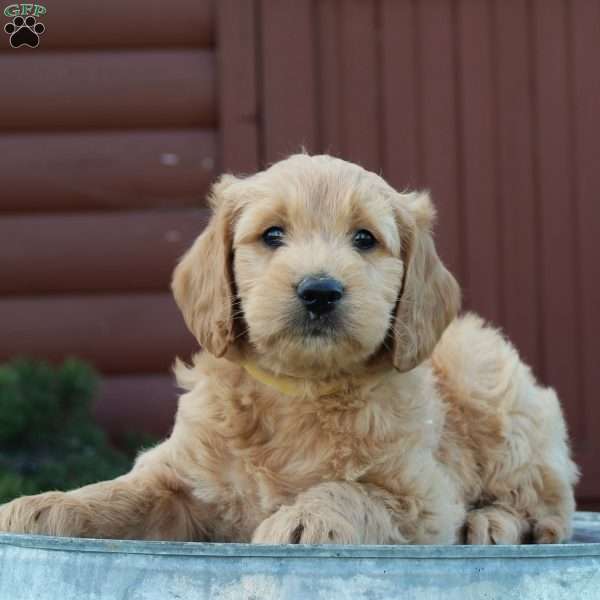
[338,398]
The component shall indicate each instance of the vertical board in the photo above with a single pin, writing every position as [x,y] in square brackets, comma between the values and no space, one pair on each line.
[585,37]
[399,89]
[439,126]
[560,326]
[519,283]
[359,81]
[237,82]
[477,95]
[328,77]
[288,77]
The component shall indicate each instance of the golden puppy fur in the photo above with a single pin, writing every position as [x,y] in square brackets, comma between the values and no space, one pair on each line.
[394,422]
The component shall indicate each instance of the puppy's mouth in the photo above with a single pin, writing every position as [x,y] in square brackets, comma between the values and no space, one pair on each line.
[319,326]
[311,326]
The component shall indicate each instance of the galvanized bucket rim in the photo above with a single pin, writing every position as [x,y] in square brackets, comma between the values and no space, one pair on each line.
[588,520]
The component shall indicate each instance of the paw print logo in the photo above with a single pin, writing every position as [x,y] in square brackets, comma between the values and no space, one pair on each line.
[24,32]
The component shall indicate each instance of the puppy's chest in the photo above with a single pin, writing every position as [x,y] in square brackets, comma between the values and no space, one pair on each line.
[292,453]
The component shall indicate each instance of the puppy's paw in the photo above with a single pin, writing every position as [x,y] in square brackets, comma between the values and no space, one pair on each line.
[293,525]
[492,525]
[550,530]
[51,513]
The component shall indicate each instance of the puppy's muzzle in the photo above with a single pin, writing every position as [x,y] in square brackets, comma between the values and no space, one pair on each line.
[320,295]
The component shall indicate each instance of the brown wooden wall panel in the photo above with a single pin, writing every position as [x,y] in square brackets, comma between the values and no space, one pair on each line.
[359,83]
[439,126]
[518,223]
[476,96]
[399,89]
[238,85]
[584,23]
[289,103]
[134,23]
[493,105]
[345,81]
[102,170]
[117,333]
[111,89]
[327,65]
[559,313]
[137,402]
[86,252]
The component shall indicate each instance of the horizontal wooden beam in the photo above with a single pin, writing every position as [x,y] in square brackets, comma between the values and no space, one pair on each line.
[116,333]
[106,169]
[131,24]
[104,252]
[113,89]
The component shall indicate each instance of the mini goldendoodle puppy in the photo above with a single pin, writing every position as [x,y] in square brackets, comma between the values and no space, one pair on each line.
[339,399]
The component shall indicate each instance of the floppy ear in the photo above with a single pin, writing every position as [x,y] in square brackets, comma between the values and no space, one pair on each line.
[203,283]
[430,297]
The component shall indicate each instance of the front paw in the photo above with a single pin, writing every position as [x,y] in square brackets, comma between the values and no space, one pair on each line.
[294,525]
[50,514]
[492,525]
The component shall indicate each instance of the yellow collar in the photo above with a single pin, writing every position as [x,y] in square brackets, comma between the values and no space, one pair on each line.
[290,386]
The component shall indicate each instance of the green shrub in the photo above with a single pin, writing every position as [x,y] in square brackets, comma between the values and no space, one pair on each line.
[48,439]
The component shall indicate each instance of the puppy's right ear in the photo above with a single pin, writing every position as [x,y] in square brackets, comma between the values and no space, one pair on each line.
[203,283]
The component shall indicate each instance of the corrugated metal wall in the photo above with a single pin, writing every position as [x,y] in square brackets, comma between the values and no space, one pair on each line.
[492,104]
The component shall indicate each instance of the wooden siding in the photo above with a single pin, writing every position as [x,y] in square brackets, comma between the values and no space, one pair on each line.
[108,90]
[583,36]
[117,333]
[493,106]
[106,170]
[238,85]
[128,24]
[111,141]
[108,252]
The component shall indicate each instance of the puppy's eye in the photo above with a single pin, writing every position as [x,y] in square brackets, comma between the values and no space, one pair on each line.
[273,237]
[364,240]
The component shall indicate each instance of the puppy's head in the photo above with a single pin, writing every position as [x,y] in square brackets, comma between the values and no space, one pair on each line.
[315,266]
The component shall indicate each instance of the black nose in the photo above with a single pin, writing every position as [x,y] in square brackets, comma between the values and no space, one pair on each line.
[320,294]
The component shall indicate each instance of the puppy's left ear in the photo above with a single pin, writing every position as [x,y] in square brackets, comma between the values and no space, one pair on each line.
[203,283]
[430,297]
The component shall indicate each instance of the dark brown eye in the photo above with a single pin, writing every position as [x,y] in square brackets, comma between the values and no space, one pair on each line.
[364,240]
[273,237]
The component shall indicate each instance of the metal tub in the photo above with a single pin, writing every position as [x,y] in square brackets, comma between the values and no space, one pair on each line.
[47,568]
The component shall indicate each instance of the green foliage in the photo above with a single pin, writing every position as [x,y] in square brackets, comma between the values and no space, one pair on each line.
[48,439]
